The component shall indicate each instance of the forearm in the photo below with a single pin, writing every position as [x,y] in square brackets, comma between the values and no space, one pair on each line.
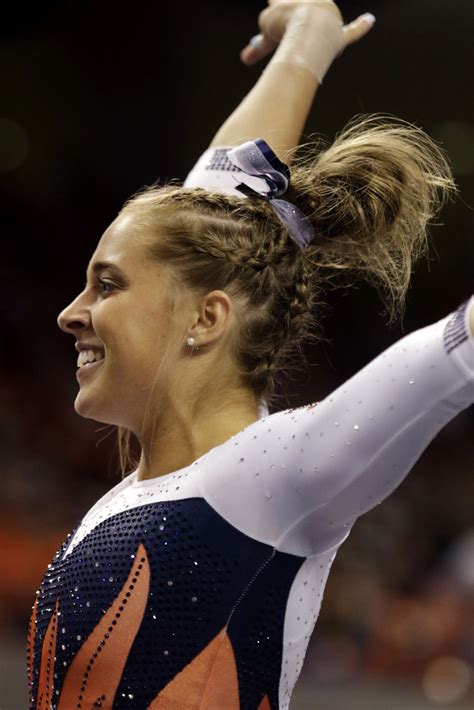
[310,34]
[275,110]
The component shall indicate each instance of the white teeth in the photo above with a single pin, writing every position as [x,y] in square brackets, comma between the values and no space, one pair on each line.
[86,356]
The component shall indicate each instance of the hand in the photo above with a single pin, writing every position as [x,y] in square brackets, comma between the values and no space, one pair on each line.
[273,21]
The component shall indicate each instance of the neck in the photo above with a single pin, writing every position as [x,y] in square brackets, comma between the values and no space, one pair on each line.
[181,436]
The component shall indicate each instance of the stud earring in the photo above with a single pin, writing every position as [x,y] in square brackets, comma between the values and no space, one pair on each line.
[190,342]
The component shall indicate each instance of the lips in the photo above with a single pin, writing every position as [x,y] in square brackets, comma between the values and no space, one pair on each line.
[91,356]
[87,368]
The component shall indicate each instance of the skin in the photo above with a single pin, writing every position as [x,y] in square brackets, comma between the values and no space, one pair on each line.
[128,315]
[277,107]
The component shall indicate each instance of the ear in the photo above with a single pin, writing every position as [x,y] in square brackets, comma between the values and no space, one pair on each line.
[212,318]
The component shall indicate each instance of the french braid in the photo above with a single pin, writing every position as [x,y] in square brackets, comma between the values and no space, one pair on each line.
[238,240]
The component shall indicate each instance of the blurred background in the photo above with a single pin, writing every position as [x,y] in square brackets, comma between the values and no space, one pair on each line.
[98,99]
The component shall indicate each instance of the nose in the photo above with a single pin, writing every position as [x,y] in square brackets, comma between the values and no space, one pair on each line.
[75,317]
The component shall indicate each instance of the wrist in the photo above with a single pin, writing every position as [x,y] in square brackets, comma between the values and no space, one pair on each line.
[313,39]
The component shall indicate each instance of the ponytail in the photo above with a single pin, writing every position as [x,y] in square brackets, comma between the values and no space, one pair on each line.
[370,196]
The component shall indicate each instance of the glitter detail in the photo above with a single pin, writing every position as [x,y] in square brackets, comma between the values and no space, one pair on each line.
[194,583]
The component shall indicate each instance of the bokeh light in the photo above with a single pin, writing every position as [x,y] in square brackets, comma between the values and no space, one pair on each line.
[447,680]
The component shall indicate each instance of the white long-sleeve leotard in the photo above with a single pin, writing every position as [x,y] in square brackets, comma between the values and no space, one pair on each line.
[200,588]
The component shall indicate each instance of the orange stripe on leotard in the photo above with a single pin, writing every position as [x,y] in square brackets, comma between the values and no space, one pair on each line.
[48,653]
[97,668]
[209,681]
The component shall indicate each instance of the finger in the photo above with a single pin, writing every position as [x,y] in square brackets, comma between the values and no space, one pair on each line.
[358,29]
[257,48]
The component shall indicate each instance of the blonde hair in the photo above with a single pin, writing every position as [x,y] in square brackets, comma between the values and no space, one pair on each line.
[369,195]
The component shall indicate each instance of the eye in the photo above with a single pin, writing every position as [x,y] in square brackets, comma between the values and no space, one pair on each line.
[106,287]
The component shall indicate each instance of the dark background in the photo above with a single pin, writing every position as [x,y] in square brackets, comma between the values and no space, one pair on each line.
[98,99]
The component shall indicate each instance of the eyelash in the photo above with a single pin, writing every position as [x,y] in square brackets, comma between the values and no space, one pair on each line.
[105,285]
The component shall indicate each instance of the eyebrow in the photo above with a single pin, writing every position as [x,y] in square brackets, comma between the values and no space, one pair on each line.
[100,266]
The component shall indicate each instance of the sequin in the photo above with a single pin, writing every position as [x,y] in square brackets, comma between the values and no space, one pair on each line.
[168,616]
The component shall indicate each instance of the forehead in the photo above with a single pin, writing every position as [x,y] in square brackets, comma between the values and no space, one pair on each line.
[121,244]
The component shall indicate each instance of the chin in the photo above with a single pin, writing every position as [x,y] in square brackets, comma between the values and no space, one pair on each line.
[89,407]
[90,413]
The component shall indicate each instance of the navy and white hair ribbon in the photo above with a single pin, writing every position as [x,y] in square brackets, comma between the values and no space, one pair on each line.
[269,178]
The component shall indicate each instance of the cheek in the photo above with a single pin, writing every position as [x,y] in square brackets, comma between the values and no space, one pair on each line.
[155,328]
[140,346]
[135,338]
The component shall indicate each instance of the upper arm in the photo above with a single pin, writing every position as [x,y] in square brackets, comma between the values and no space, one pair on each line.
[215,171]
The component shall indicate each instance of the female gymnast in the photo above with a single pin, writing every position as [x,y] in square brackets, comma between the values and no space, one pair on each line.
[197,580]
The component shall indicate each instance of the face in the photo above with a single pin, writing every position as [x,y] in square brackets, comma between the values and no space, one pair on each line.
[122,321]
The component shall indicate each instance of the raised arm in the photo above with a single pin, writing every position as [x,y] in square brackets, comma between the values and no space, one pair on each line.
[308,36]
[307,474]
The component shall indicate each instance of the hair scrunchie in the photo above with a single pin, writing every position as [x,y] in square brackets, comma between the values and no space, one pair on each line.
[270,178]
